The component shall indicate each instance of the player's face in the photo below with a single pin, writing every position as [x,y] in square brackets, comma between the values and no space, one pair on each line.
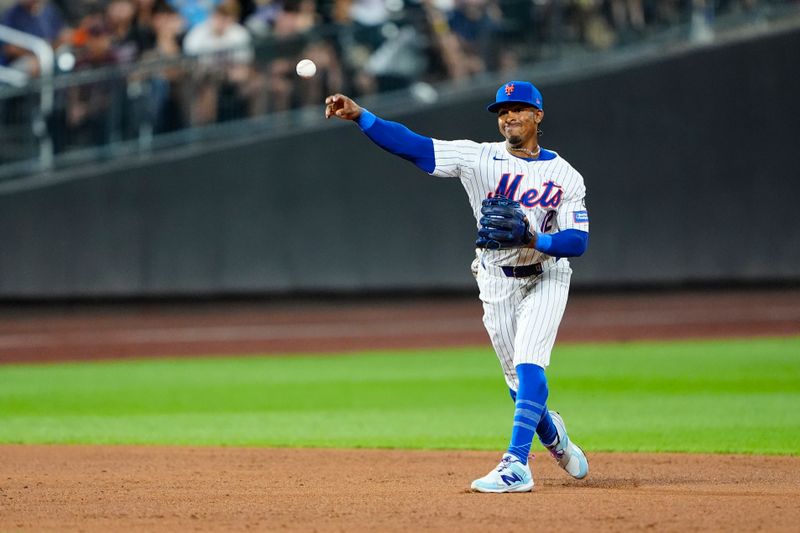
[518,122]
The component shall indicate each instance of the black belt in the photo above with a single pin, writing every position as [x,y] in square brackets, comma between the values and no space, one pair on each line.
[524,271]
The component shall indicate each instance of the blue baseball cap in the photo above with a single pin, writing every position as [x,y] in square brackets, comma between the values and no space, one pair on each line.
[518,92]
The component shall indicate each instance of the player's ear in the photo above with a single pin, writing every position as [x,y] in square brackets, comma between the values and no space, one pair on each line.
[538,115]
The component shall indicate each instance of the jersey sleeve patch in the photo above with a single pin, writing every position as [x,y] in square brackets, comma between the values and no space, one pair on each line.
[580,216]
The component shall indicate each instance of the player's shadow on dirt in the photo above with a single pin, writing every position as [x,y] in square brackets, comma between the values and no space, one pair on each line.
[623,482]
[594,483]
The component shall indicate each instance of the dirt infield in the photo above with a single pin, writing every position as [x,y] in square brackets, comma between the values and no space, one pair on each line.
[86,488]
[122,488]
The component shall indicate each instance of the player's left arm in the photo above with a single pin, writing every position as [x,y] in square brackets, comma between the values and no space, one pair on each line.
[572,219]
[566,243]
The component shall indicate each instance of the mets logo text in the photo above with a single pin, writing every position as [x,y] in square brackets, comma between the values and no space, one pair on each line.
[549,197]
[509,89]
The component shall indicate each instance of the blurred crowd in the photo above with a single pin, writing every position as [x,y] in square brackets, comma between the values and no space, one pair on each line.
[205,61]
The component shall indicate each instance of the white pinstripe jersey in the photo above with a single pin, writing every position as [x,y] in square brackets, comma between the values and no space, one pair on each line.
[551,191]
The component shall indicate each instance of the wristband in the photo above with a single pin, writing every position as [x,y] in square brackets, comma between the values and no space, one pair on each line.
[543,242]
[366,119]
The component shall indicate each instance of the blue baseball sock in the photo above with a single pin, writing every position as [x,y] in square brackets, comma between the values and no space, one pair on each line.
[546,429]
[531,399]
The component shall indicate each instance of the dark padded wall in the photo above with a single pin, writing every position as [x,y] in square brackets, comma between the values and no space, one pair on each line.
[246,218]
[689,163]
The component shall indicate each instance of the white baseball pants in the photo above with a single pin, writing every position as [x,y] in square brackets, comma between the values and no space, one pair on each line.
[522,315]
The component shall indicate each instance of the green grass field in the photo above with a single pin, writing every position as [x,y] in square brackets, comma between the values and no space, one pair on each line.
[699,396]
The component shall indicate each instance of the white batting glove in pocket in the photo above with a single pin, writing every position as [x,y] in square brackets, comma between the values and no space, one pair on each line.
[476,263]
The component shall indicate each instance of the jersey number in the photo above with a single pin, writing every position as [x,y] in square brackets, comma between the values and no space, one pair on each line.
[547,222]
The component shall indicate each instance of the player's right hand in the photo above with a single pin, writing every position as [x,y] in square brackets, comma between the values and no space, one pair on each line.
[341,106]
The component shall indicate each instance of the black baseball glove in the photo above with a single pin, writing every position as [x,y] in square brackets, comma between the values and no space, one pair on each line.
[503,225]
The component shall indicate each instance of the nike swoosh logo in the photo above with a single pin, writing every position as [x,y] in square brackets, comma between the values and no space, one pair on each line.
[499,158]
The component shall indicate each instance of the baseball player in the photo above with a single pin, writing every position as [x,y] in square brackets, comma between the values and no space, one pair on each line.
[531,215]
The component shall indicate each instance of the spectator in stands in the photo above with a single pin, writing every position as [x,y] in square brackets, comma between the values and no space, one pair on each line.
[125,42]
[194,12]
[91,40]
[225,55]
[143,29]
[73,10]
[38,18]
[446,48]
[476,23]
[363,20]
[627,16]
[588,25]
[167,26]
[167,107]
[369,16]
[292,25]
[262,21]
[359,32]
[534,25]
[220,39]
[399,61]
[145,9]
[295,18]
[89,112]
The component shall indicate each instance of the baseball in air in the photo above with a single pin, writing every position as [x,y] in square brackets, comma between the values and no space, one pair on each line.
[306,68]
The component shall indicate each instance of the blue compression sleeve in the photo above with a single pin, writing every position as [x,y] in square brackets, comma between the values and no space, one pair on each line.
[567,243]
[399,140]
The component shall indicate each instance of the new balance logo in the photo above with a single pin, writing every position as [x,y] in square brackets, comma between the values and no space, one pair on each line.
[514,478]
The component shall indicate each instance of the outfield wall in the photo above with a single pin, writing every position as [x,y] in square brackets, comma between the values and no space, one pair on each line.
[689,162]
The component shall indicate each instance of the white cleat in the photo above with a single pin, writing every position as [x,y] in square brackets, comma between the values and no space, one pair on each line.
[509,476]
[568,455]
